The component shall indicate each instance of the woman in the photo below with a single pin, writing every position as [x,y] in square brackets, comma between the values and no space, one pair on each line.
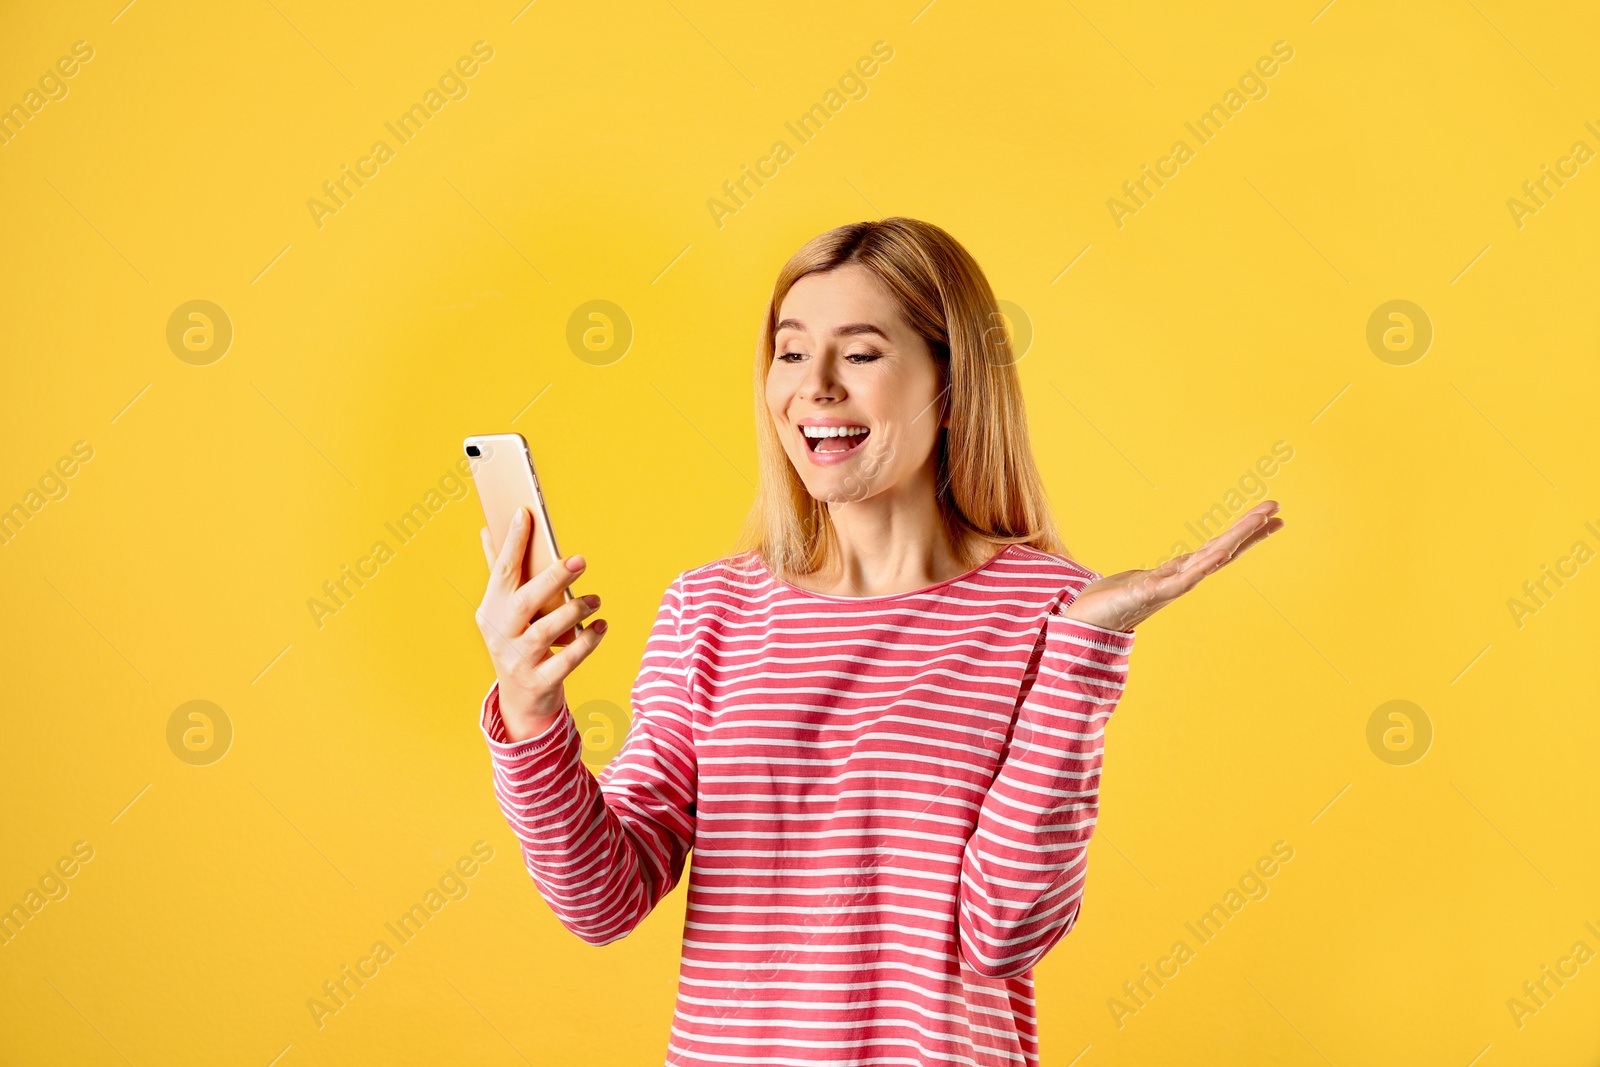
[879,726]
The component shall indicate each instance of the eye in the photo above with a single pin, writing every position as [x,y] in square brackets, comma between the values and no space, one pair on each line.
[853,357]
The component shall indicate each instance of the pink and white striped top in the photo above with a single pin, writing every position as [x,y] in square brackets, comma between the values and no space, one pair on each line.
[889,799]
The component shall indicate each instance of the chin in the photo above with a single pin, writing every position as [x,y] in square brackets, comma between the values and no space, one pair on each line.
[842,488]
[858,478]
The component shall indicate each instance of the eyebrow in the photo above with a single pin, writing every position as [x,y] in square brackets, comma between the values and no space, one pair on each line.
[848,329]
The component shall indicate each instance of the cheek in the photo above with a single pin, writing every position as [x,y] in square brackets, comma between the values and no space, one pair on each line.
[783,382]
[918,422]
[774,396]
[777,397]
[775,406]
[914,445]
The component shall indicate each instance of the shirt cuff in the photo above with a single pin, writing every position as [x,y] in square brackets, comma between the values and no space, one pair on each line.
[1108,646]
[501,745]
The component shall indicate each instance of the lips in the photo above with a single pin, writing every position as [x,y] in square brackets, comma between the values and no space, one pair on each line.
[834,439]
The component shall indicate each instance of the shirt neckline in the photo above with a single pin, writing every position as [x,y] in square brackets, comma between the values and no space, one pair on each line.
[985,565]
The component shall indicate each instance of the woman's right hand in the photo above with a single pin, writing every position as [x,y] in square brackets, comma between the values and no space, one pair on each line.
[529,672]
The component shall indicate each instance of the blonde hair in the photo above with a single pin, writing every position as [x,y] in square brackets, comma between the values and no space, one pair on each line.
[988,488]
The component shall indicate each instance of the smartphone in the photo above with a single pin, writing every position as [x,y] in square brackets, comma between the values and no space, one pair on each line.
[502,469]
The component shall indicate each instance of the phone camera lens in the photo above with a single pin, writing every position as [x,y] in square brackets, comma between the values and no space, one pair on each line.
[472,450]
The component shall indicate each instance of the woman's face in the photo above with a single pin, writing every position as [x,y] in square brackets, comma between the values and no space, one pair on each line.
[852,387]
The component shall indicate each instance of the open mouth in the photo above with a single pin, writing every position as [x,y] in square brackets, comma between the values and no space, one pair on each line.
[826,440]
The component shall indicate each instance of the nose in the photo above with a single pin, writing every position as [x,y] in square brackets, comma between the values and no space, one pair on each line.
[820,383]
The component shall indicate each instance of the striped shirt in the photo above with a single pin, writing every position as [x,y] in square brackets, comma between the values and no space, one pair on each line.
[889,799]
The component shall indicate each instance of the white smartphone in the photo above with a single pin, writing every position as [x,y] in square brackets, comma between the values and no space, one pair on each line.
[503,471]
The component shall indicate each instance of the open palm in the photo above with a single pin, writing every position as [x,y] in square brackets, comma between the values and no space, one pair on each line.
[1122,601]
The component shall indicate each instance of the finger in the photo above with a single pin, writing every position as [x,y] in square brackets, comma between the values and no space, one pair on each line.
[1173,565]
[1212,557]
[1272,527]
[511,652]
[1225,543]
[560,664]
[1168,585]
[547,628]
[502,648]
[547,585]
[1203,560]
[1266,529]
[488,549]
[1248,524]
[507,567]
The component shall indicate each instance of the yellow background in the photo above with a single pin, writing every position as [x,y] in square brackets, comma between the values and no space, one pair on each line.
[1228,314]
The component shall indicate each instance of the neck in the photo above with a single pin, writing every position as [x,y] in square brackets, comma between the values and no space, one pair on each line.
[892,542]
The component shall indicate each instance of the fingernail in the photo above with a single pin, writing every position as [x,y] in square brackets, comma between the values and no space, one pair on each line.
[593,600]
[575,563]
[598,626]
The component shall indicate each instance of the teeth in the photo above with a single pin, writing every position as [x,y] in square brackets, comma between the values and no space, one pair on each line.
[833,431]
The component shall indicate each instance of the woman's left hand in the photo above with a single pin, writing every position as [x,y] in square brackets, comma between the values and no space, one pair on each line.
[1122,601]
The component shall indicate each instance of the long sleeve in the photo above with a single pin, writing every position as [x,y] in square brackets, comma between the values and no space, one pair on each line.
[604,851]
[1022,871]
